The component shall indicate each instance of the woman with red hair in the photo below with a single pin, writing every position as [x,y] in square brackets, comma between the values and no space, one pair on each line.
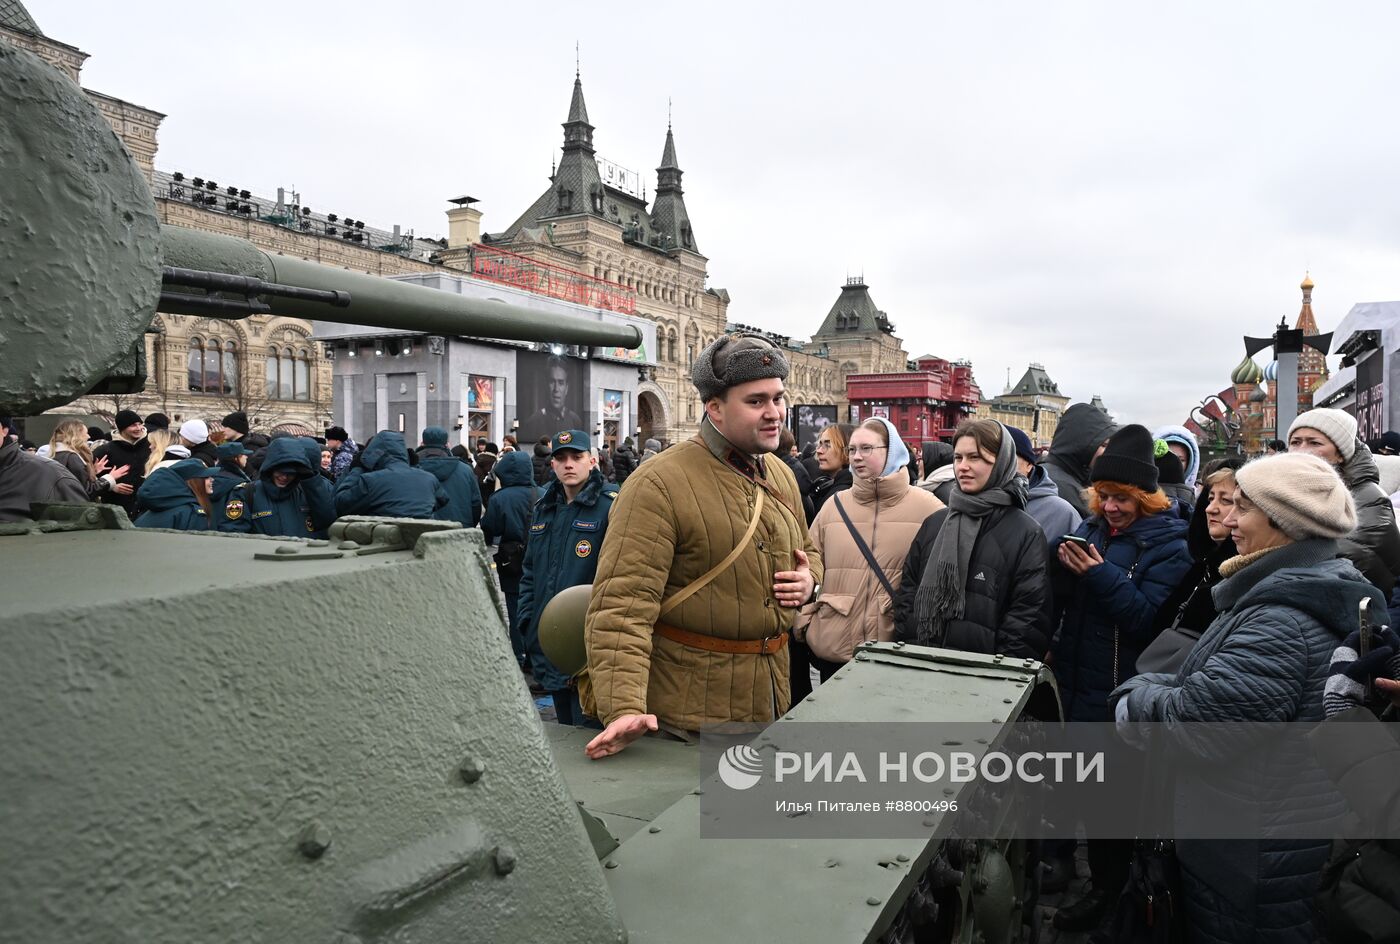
[1110,579]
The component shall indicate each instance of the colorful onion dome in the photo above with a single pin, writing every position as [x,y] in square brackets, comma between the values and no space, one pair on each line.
[1247,372]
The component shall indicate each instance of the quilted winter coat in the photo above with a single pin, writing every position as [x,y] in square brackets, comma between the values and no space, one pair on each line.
[1374,547]
[1263,659]
[1108,613]
[854,607]
[679,515]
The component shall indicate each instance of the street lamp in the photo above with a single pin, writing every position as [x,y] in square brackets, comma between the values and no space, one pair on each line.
[1287,344]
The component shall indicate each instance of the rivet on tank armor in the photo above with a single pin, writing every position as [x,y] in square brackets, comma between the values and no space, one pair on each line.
[470,770]
[315,840]
[503,860]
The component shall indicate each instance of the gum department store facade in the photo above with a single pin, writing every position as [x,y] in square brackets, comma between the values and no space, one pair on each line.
[646,256]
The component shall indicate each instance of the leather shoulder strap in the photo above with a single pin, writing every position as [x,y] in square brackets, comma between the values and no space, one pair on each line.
[695,586]
[863,547]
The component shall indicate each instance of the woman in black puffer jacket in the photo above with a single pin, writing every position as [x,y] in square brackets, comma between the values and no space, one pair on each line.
[976,577]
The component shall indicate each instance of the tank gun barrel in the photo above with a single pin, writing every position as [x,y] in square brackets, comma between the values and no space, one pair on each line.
[282,285]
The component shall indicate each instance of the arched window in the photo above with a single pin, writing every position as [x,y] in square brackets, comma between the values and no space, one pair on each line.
[212,366]
[272,386]
[671,345]
[303,375]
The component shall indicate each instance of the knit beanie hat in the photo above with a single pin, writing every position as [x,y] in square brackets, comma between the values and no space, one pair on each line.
[1169,470]
[196,431]
[1127,459]
[1337,425]
[1302,494]
[155,421]
[434,436]
[1024,449]
[126,418]
[238,422]
[733,359]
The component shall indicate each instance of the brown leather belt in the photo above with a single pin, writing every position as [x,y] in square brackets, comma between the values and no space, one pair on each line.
[766,646]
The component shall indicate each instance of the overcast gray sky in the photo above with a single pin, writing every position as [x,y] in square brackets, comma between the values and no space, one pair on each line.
[1117,190]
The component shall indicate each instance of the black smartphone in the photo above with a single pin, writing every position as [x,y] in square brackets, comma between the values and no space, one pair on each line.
[1082,542]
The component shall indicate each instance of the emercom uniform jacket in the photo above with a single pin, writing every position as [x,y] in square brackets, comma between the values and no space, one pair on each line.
[458,481]
[385,484]
[508,514]
[303,509]
[679,515]
[562,550]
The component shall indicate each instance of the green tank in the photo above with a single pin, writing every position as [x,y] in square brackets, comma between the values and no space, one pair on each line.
[215,737]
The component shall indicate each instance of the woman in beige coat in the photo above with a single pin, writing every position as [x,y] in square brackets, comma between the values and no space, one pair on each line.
[855,605]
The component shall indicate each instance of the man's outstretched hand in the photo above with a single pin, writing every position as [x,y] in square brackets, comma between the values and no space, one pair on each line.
[619,734]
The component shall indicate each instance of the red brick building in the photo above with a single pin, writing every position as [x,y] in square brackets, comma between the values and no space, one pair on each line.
[924,404]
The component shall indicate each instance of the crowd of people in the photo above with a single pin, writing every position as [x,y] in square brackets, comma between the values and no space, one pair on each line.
[732,572]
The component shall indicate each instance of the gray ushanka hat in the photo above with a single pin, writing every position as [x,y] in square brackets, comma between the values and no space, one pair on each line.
[734,359]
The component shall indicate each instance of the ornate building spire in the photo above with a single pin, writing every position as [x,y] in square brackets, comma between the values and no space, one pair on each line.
[668,214]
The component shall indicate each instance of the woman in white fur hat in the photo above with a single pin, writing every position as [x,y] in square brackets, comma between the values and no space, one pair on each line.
[1286,602]
[1374,545]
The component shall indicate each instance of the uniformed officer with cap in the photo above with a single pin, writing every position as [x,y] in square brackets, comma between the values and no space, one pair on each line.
[233,460]
[561,550]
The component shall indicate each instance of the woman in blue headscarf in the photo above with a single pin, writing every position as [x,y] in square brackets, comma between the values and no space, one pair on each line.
[863,535]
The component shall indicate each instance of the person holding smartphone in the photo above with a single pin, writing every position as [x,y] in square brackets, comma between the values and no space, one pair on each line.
[1110,578]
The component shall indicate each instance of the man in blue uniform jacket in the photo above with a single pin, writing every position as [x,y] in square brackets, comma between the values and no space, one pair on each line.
[382,482]
[289,499]
[566,532]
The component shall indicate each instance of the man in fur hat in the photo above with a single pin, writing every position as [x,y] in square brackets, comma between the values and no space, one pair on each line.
[668,649]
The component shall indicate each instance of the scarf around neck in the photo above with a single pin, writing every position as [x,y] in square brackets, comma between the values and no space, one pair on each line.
[940,598]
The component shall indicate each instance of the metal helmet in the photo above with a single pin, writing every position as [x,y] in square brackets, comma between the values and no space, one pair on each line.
[561,628]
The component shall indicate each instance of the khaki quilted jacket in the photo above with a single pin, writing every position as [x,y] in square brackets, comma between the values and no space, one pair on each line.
[679,515]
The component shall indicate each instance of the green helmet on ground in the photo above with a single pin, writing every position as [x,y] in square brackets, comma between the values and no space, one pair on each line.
[561,628]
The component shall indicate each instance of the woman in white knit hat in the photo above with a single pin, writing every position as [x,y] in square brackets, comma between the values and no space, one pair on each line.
[1286,602]
[1374,546]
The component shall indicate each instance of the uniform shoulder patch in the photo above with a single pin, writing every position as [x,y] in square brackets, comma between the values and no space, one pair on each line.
[537,528]
[611,492]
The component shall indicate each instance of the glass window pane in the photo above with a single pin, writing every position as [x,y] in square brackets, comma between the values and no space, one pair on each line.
[284,376]
[195,367]
[303,378]
[272,375]
[211,368]
[230,371]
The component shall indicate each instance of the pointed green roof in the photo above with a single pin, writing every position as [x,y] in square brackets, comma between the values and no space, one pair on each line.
[576,188]
[669,217]
[578,111]
[1035,382]
[14,16]
[854,313]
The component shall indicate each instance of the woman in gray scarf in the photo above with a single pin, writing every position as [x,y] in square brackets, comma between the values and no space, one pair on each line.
[976,575]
